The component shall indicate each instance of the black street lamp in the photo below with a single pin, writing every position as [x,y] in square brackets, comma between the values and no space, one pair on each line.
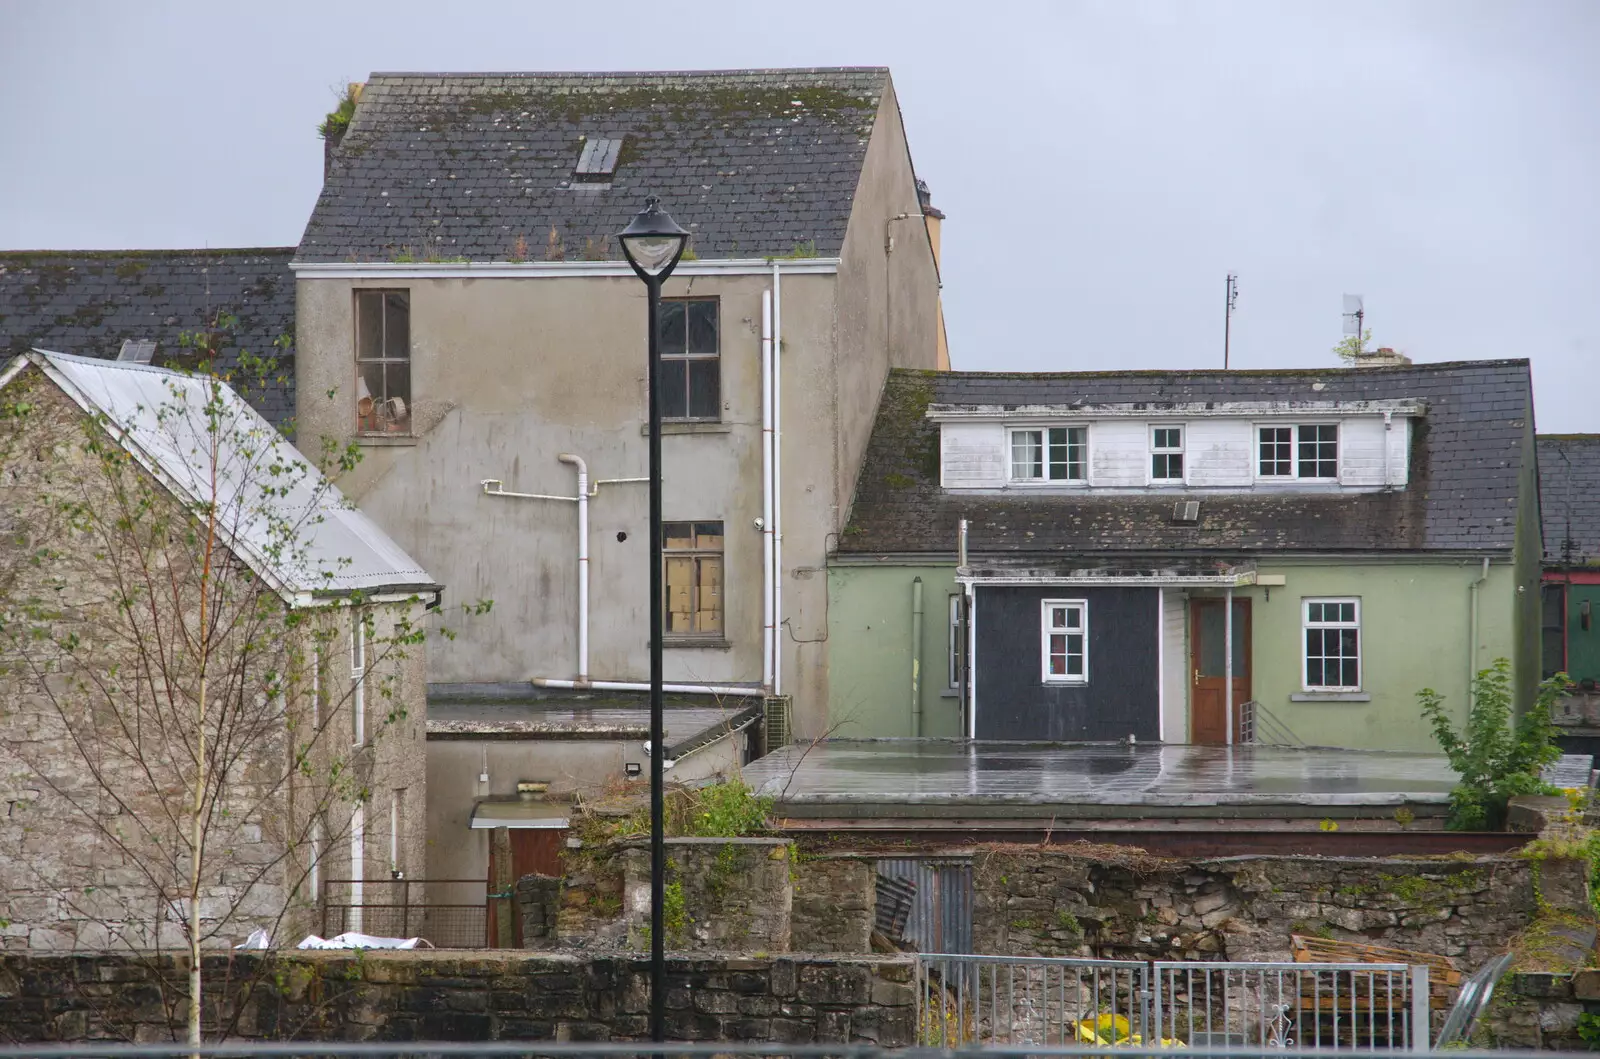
[653,243]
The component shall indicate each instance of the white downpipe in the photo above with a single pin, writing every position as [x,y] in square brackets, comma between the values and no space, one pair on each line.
[1227,664]
[632,685]
[769,643]
[583,562]
[1472,631]
[777,482]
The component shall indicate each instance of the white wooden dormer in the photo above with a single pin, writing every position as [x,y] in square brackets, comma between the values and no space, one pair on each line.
[1244,446]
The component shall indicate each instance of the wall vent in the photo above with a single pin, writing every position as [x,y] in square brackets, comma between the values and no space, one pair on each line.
[777,730]
[1186,511]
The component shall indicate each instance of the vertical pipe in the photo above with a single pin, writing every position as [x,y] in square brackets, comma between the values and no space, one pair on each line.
[777,482]
[916,657]
[658,848]
[1161,664]
[1472,631]
[769,642]
[583,563]
[1227,663]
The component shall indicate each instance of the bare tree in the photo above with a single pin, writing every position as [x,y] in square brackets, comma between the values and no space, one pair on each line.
[171,619]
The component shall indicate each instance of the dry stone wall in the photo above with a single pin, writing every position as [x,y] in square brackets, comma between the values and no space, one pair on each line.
[481,996]
[1117,904]
[834,902]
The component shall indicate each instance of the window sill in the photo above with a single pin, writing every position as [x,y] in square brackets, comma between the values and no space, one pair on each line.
[1064,683]
[685,427]
[386,440]
[1330,696]
[949,694]
[709,644]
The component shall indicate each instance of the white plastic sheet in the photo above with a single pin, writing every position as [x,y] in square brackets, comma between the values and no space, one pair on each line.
[352,940]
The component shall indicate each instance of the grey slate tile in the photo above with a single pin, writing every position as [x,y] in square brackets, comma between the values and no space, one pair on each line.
[1569,497]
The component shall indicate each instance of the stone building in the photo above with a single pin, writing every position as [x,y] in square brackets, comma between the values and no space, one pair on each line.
[192,615]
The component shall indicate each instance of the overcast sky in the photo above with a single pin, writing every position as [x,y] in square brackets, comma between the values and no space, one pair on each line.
[1103,166]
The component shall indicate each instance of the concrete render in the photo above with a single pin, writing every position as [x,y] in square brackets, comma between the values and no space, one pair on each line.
[959,773]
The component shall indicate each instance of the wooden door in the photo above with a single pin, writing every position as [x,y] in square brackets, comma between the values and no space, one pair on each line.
[1208,668]
[534,851]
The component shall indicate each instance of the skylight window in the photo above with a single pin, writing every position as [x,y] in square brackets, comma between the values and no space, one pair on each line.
[137,350]
[598,159]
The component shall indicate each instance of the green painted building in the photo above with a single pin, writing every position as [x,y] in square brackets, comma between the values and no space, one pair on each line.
[1569,499]
[1376,528]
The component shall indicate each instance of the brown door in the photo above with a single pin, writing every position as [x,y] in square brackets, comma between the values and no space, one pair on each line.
[1208,666]
[534,851]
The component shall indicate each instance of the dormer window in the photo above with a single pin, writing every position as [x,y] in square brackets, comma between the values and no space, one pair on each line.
[1310,450]
[1049,454]
[1166,454]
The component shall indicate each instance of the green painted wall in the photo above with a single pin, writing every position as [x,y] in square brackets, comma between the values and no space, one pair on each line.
[1415,626]
[1528,559]
[869,651]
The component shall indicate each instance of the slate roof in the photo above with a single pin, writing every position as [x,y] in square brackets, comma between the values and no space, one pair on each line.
[1569,497]
[754,162]
[264,487]
[1463,490]
[86,302]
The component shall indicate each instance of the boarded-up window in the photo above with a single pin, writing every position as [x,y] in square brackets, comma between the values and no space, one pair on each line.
[383,361]
[691,359]
[692,559]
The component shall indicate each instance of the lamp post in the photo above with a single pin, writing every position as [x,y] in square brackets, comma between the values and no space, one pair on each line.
[653,243]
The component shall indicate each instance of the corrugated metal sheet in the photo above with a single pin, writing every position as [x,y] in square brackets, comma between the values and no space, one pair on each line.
[941,911]
[163,416]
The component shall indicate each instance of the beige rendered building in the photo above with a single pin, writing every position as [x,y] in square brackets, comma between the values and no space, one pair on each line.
[465,317]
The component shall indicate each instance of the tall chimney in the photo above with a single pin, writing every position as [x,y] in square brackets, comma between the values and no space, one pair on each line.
[933,217]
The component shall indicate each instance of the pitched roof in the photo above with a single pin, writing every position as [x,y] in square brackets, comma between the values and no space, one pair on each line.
[87,302]
[276,511]
[1465,460]
[1569,497]
[753,162]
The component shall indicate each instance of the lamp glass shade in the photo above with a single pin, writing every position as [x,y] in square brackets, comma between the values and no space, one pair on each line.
[652,252]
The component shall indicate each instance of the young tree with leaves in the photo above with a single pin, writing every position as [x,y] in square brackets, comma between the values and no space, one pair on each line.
[181,588]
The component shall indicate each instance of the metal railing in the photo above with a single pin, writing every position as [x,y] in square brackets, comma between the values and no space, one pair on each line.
[391,908]
[988,1001]
[1259,725]
[525,1049]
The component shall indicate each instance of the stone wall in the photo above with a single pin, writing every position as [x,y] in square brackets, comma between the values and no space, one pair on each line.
[1119,903]
[723,894]
[834,903]
[479,996]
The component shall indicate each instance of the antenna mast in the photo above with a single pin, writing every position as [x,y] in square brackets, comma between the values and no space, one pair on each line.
[1354,316]
[1227,316]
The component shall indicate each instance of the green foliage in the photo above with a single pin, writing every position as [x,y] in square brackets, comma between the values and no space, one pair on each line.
[1589,1030]
[1497,759]
[337,122]
[1352,346]
[729,809]
[674,911]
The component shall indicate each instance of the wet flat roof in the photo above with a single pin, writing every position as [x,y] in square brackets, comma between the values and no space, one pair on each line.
[934,776]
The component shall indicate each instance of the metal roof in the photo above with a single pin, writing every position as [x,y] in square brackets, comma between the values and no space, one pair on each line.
[279,514]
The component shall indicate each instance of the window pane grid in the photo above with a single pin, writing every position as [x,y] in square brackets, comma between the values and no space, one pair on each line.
[1277,452]
[692,570]
[1056,454]
[383,361]
[1319,451]
[1027,454]
[1166,454]
[691,365]
[1332,644]
[1065,642]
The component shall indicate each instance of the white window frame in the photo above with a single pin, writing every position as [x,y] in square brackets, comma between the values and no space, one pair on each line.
[394,831]
[1306,625]
[1338,452]
[1179,451]
[358,862]
[1047,629]
[1256,429]
[1045,453]
[358,679]
[316,860]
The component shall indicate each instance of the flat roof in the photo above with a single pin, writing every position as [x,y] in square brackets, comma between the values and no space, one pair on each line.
[936,777]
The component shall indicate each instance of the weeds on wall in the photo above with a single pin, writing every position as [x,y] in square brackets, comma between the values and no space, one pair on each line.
[1497,757]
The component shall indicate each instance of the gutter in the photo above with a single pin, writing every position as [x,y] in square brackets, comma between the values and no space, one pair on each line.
[394,270]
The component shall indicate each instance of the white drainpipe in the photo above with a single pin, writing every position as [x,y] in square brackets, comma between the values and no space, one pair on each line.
[634,685]
[769,642]
[1472,628]
[583,562]
[777,482]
